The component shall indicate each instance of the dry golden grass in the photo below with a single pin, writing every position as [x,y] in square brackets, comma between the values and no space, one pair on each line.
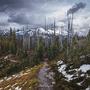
[26,80]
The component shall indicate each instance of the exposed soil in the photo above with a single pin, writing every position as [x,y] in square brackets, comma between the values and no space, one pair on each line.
[45,83]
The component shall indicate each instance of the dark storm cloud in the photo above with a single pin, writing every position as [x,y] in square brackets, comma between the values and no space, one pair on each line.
[17,4]
[34,9]
[30,11]
[76,7]
[11,3]
[25,18]
[21,18]
[12,7]
[3,24]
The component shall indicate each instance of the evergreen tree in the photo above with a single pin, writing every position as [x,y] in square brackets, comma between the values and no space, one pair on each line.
[12,44]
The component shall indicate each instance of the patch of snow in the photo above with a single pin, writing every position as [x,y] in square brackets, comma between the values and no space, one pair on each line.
[41,30]
[5,78]
[1,88]
[73,70]
[82,75]
[20,33]
[17,88]
[28,70]
[59,62]
[9,78]
[15,76]
[14,85]
[73,74]
[85,68]
[30,33]
[62,70]
[1,80]
[24,83]
[7,86]
[80,83]
[53,83]
[68,76]
[88,88]
[21,74]
[50,31]
[6,57]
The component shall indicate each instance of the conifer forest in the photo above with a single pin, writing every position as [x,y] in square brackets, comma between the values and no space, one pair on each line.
[44,44]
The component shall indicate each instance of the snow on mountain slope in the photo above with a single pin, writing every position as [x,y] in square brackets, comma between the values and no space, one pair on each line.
[32,31]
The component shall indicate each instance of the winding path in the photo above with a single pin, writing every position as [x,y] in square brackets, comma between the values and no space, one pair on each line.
[45,83]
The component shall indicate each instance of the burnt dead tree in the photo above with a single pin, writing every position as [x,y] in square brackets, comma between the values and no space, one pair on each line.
[70,31]
[54,28]
[61,36]
[70,15]
[46,35]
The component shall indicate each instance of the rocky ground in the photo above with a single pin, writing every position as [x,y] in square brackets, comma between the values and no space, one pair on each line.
[45,77]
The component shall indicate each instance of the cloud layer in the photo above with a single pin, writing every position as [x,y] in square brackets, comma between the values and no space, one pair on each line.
[33,12]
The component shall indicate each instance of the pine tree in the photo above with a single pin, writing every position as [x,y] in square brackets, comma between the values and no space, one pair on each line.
[12,44]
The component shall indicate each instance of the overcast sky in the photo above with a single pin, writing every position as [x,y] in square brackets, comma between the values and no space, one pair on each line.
[16,13]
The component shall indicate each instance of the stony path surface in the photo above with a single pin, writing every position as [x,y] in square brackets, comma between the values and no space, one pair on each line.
[45,79]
